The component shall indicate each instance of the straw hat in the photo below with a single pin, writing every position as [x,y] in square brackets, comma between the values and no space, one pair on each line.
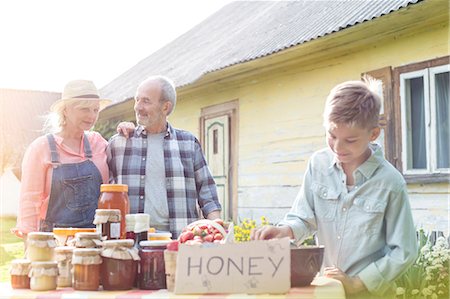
[81,90]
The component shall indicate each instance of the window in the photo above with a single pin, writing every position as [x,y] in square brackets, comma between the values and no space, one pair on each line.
[415,119]
[425,110]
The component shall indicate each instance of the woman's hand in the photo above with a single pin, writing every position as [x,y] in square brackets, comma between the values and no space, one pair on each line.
[125,128]
[352,285]
[270,232]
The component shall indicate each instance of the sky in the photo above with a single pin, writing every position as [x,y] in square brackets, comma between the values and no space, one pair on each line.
[46,43]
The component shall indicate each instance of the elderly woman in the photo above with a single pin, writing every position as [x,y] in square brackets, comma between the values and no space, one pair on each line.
[62,172]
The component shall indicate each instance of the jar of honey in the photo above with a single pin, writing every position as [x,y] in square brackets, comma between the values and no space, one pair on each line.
[152,273]
[108,223]
[120,264]
[20,269]
[43,276]
[86,269]
[115,196]
[63,255]
[88,240]
[40,246]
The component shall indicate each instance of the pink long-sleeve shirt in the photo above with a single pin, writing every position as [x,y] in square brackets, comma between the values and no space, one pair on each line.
[37,173]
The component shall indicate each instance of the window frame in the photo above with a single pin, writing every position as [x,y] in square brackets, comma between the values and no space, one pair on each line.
[391,120]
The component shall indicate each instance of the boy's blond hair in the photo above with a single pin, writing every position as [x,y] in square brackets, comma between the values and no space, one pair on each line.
[354,103]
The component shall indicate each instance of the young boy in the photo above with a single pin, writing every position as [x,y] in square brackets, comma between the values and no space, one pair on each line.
[354,200]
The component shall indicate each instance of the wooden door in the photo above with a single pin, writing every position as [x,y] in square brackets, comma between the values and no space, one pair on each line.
[217,151]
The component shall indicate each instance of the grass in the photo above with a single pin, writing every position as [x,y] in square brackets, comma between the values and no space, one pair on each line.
[11,247]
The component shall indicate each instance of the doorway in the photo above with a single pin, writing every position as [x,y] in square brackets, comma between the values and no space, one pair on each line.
[218,136]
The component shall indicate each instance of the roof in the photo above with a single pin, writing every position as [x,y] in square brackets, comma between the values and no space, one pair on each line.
[21,120]
[246,30]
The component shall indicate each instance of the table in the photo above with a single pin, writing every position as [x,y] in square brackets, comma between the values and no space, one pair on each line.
[321,288]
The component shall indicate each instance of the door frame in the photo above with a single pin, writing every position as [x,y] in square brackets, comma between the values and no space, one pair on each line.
[231,109]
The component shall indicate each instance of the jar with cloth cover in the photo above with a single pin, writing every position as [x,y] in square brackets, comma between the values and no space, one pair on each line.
[63,255]
[120,264]
[40,246]
[108,223]
[43,276]
[20,269]
[86,269]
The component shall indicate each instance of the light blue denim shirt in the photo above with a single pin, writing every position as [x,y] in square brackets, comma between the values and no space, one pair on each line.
[369,231]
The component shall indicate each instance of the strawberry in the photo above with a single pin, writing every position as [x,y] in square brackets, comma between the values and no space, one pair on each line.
[218,236]
[172,246]
[187,235]
[208,238]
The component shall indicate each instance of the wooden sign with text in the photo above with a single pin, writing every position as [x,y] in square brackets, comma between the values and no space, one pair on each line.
[248,267]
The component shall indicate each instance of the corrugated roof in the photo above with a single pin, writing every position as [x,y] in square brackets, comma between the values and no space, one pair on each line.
[244,31]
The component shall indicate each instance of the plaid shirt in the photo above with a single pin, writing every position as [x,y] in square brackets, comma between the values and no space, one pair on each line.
[188,179]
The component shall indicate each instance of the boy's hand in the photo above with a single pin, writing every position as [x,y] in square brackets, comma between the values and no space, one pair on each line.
[352,285]
[125,128]
[269,232]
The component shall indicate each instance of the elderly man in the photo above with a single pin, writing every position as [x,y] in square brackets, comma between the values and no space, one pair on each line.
[164,167]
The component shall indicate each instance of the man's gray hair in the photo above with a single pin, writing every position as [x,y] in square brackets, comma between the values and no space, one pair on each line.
[168,91]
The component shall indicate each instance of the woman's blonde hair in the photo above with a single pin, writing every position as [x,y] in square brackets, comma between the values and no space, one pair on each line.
[55,121]
[354,103]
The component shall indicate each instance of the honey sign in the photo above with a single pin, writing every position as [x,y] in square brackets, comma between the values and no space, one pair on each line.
[248,267]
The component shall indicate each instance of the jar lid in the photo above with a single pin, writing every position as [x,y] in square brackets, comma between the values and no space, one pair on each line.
[46,264]
[20,262]
[107,212]
[89,235]
[155,243]
[64,249]
[113,188]
[20,267]
[40,236]
[71,231]
[86,251]
[116,243]
[105,215]
[159,235]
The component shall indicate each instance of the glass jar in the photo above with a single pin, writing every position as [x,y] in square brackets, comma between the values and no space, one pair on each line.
[63,255]
[137,227]
[108,223]
[115,196]
[40,246]
[43,276]
[152,273]
[88,240]
[65,235]
[86,269]
[159,236]
[20,269]
[120,264]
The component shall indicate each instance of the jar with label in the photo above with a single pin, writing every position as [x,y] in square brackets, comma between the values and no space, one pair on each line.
[88,240]
[152,274]
[159,236]
[65,235]
[40,246]
[63,255]
[120,264]
[19,274]
[115,196]
[86,269]
[108,223]
[137,227]
[43,276]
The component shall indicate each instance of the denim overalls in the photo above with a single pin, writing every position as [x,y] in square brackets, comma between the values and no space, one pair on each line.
[74,192]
